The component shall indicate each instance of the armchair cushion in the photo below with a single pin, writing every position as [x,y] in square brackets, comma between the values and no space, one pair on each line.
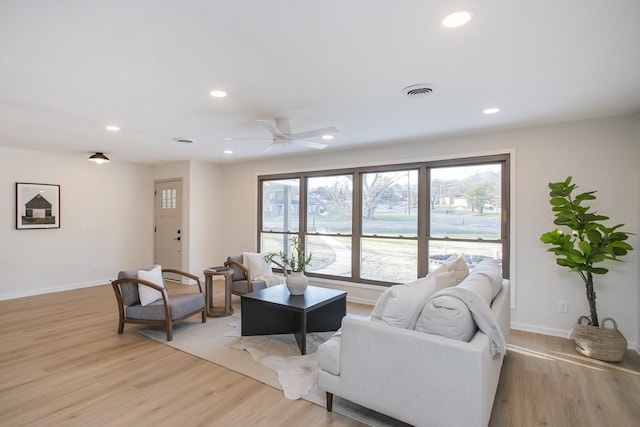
[242,286]
[238,273]
[130,294]
[147,294]
[256,264]
[181,305]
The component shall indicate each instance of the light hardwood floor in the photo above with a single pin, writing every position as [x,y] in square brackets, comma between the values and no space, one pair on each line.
[62,363]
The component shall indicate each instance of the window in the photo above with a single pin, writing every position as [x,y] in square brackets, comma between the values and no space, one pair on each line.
[389,221]
[330,224]
[390,224]
[465,215]
[280,218]
[168,198]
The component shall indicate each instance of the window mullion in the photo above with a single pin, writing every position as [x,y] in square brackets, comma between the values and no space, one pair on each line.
[356,225]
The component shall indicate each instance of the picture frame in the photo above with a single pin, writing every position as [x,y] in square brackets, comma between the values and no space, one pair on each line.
[37,205]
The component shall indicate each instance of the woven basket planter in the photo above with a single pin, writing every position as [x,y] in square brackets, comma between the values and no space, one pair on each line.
[598,342]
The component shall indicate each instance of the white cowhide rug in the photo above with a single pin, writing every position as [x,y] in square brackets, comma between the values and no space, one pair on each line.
[297,374]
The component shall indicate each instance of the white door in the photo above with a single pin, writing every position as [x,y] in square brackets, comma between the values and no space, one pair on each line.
[168,224]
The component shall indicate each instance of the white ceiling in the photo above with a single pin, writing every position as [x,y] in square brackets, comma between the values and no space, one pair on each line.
[69,68]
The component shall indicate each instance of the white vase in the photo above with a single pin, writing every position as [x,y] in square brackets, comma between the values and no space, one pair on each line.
[297,282]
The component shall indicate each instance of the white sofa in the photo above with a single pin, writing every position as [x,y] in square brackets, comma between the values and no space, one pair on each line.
[417,377]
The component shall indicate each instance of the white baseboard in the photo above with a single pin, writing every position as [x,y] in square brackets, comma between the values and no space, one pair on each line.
[632,345]
[49,290]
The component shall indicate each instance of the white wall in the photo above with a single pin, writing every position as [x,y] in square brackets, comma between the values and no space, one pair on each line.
[601,155]
[202,201]
[106,223]
[207,202]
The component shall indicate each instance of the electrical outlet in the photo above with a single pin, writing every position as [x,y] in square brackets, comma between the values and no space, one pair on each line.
[563,306]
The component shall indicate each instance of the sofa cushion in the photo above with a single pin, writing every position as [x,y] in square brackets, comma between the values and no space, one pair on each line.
[328,354]
[447,316]
[130,295]
[457,264]
[400,305]
[147,294]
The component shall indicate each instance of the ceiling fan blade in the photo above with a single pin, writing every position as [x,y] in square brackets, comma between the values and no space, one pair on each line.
[312,133]
[311,144]
[269,148]
[268,125]
[282,124]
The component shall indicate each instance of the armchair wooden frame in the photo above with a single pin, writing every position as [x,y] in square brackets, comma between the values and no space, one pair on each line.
[168,322]
[247,273]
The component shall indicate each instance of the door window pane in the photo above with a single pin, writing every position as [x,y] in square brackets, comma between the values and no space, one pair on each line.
[329,201]
[168,198]
[280,205]
[389,260]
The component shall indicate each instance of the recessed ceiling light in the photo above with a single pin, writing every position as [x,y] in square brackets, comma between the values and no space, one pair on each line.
[491,110]
[112,128]
[218,93]
[228,139]
[327,137]
[457,19]
[228,152]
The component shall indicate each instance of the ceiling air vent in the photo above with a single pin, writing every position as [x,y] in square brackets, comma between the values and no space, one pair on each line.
[184,140]
[418,91]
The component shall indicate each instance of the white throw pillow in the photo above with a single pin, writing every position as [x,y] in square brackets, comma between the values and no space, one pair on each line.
[444,280]
[491,270]
[147,294]
[256,264]
[400,305]
[455,263]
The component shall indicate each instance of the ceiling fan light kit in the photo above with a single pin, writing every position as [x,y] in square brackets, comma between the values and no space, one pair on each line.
[280,130]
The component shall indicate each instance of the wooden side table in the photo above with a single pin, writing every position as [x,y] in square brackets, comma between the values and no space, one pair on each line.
[212,311]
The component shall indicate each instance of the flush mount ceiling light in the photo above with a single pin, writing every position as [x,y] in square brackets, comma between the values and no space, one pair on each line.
[418,91]
[491,110]
[99,158]
[112,128]
[216,93]
[457,19]
[228,152]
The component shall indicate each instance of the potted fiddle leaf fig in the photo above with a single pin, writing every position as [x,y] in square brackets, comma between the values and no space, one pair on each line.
[589,243]
[295,262]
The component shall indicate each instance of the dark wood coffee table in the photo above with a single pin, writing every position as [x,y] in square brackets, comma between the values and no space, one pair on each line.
[274,310]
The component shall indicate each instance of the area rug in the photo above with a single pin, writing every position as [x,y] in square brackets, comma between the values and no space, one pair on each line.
[274,360]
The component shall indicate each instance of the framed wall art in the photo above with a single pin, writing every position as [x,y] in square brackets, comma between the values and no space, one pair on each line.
[37,205]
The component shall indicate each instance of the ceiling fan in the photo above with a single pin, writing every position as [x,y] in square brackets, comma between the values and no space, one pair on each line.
[281,131]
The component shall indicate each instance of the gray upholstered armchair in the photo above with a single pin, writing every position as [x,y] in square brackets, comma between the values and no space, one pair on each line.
[241,280]
[165,311]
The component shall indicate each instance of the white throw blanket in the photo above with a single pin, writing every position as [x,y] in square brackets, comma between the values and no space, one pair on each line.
[270,279]
[482,315]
